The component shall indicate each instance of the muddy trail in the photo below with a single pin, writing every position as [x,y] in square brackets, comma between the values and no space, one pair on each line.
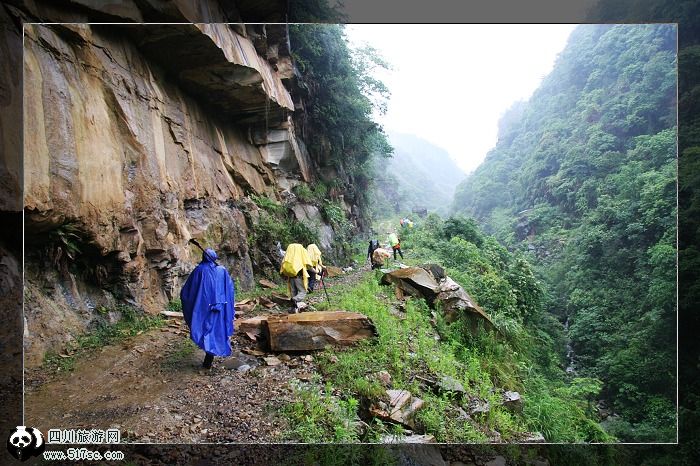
[152,386]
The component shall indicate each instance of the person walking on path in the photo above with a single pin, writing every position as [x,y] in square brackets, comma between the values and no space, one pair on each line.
[294,265]
[316,268]
[395,244]
[208,307]
[373,246]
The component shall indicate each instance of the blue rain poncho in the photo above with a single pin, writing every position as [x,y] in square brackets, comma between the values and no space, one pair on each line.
[208,306]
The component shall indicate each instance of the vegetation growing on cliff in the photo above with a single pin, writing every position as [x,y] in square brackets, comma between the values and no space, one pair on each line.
[583,182]
[341,98]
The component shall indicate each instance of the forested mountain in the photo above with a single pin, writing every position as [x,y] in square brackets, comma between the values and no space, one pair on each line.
[583,178]
[418,175]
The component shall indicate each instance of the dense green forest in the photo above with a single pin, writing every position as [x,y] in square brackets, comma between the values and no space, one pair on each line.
[583,180]
[418,175]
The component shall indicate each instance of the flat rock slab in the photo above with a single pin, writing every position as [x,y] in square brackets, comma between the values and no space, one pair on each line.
[315,330]
[414,281]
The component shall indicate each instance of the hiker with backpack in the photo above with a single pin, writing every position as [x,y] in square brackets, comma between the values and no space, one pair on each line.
[316,268]
[294,268]
[373,246]
[395,244]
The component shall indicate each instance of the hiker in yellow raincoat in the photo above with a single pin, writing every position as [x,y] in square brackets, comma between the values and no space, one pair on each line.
[395,244]
[316,268]
[294,265]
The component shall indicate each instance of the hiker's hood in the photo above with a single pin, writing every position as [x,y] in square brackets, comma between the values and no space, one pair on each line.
[314,254]
[209,255]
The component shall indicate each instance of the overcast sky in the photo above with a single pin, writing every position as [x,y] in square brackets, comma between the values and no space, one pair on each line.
[450,84]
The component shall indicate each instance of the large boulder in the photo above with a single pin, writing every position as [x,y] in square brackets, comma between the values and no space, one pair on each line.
[430,282]
[413,281]
[314,330]
[455,302]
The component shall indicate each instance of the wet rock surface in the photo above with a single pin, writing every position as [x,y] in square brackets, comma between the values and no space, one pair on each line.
[138,138]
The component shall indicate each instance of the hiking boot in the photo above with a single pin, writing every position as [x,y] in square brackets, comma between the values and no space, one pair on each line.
[208,360]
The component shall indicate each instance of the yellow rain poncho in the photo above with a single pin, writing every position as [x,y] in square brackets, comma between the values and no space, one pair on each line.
[295,259]
[393,239]
[315,257]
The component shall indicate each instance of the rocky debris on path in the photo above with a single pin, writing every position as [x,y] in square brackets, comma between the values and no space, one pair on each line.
[309,330]
[316,330]
[238,360]
[430,282]
[267,283]
[245,306]
[400,408]
[251,327]
[272,361]
[455,302]
[281,299]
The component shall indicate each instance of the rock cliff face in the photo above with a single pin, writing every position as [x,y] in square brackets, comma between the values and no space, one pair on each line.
[136,139]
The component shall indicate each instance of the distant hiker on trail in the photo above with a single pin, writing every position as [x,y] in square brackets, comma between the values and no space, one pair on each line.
[294,265]
[316,268]
[395,244]
[373,246]
[208,307]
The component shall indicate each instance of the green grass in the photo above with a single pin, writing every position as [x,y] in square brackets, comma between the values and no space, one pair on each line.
[132,323]
[406,347]
[319,417]
[350,371]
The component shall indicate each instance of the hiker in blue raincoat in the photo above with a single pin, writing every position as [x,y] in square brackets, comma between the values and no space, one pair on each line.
[208,306]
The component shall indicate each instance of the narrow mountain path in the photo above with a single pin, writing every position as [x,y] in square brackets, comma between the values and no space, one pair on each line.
[152,387]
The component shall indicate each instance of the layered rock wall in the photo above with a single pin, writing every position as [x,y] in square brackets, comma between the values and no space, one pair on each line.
[136,139]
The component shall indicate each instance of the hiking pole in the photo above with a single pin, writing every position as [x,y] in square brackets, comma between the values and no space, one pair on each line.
[196,243]
[323,272]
